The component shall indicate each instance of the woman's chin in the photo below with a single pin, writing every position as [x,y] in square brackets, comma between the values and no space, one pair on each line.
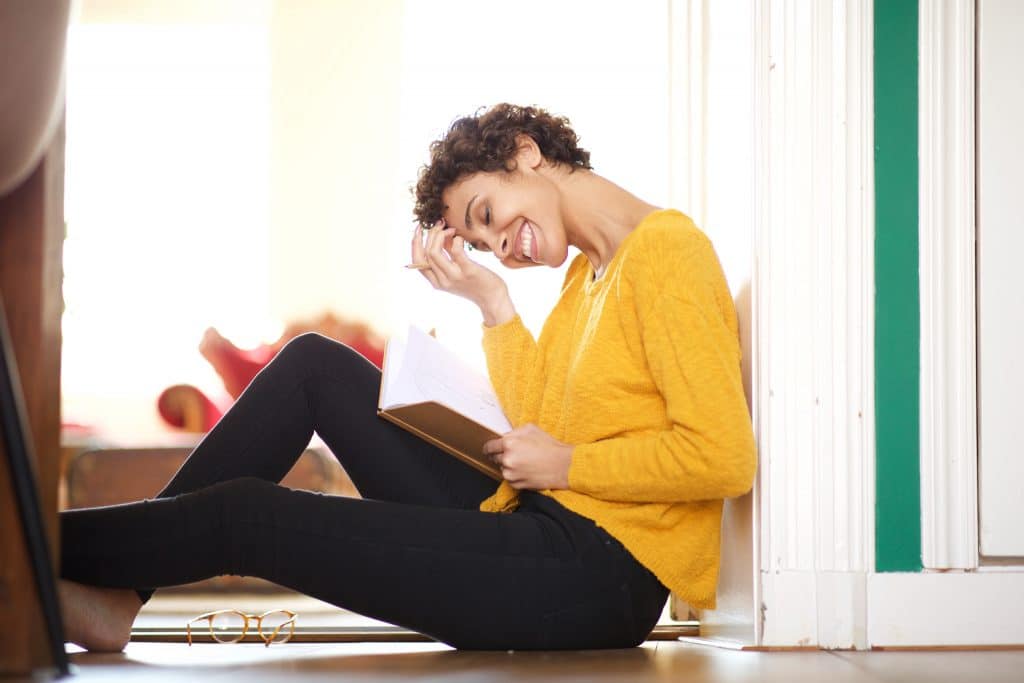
[515,265]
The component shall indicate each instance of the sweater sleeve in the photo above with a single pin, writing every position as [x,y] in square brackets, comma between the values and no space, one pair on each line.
[511,353]
[707,449]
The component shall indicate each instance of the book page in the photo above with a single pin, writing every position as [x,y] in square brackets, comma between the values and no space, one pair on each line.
[439,375]
[394,354]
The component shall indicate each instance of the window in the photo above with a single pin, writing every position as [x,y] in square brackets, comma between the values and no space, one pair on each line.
[166,185]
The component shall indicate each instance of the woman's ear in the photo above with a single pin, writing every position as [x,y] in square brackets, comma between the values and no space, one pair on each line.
[528,152]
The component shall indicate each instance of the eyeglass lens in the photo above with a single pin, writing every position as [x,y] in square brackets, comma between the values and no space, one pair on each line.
[277,627]
[227,627]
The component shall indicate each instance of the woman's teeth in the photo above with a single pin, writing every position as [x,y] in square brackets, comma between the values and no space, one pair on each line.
[526,243]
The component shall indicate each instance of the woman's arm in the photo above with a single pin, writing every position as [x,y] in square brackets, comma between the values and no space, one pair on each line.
[706,451]
[499,310]
[511,353]
[513,356]
[509,346]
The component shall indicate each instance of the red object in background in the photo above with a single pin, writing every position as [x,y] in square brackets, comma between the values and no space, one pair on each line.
[186,407]
[237,367]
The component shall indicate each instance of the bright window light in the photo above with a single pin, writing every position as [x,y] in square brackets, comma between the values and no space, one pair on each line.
[165,203]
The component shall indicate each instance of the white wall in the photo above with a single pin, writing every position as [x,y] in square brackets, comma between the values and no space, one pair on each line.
[729,136]
[334,156]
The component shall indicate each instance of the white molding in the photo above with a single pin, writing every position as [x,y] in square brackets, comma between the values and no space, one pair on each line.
[758,273]
[814,305]
[789,613]
[945,609]
[815,608]
[842,610]
[949,464]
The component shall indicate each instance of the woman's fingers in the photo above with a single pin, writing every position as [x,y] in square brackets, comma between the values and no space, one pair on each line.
[449,268]
[458,251]
[421,253]
[418,250]
[438,258]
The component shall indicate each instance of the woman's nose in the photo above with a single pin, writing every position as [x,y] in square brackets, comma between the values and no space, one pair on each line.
[503,248]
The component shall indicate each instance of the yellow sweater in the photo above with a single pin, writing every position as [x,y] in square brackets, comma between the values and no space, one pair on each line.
[640,371]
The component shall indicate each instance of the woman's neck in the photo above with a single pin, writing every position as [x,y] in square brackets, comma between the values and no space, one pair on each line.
[598,215]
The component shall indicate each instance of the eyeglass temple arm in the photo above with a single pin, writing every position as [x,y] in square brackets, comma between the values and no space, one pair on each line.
[268,639]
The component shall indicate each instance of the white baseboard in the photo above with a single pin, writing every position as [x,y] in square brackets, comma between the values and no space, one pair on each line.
[842,610]
[789,615]
[815,609]
[945,609]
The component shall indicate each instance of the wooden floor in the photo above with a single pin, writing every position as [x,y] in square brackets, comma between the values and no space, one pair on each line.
[654,661]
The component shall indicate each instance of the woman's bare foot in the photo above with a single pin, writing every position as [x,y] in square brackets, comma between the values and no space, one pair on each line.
[98,619]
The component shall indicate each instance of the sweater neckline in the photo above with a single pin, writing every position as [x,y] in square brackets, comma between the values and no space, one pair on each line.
[592,285]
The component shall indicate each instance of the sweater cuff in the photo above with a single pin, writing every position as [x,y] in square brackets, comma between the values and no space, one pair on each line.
[581,468]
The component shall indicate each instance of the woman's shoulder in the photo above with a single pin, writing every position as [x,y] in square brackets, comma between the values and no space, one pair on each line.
[672,255]
[668,229]
[668,238]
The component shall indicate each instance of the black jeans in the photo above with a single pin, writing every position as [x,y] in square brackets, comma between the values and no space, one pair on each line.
[415,551]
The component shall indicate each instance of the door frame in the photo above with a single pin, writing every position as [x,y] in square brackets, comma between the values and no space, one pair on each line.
[957,599]
[949,453]
[810,526]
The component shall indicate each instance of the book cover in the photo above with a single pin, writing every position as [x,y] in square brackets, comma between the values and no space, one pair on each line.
[429,391]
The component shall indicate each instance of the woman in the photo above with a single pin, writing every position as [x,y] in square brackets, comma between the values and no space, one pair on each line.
[630,430]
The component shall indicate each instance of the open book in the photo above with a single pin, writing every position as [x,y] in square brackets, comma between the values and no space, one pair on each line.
[429,391]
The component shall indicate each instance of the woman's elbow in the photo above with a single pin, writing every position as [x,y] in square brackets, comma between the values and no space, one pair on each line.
[742,472]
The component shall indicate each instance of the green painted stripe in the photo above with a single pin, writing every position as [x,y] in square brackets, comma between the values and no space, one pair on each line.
[897,305]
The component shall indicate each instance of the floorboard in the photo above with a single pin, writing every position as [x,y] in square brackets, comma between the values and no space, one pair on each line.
[654,661]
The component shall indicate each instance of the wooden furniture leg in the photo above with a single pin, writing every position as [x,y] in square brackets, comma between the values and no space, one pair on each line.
[31,242]
[18,458]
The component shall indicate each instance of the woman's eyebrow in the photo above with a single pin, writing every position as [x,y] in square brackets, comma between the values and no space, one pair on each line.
[469,222]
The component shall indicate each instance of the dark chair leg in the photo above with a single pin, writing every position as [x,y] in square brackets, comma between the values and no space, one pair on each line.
[26,495]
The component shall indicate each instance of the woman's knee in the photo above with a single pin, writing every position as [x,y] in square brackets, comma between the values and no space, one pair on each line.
[245,502]
[315,348]
[238,513]
[306,345]
[233,496]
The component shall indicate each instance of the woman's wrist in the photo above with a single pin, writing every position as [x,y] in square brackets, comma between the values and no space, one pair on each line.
[498,310]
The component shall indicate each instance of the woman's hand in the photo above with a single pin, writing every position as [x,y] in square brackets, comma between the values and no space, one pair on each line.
[451,270]
[530,458]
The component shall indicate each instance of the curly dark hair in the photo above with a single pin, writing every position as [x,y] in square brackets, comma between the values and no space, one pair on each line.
[487,142]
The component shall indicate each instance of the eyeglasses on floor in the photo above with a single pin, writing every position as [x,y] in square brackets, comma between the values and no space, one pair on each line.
[231,625]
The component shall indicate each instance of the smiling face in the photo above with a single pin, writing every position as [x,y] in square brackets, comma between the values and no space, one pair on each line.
[514,215]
